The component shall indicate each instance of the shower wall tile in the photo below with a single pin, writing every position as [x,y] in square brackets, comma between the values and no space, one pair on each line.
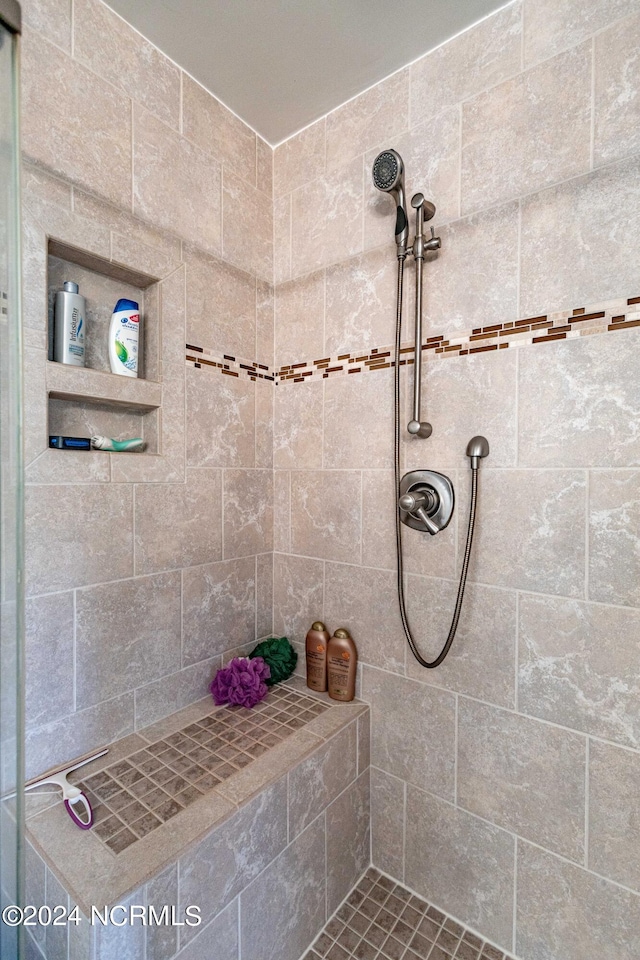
[572,269]
[523,775]
[191,510]
[316,781]
[298,426]
[282,238]
[348,840]
[170,693]
[364,601]
[126,59]
[247,212]
[264,424]
[317,241]
[572,674]
[528,132]
[297,595]
[36,434]
[127,633]
[614,832]
[300,159]
[264,595]
[377,114]
[219,938]
[220,421]
[264,166]
[398,744]
[464,864]
[173,307]
[248,512]
[162,941]
[57,520]
[532,535]
[359,415]
[218,608]
[65,106]
[564,911]
[213,128]
[176,185]
[49,625]
[221,306]
[326,514]
[282,511]
[359,292]
[283,909]
[479,58]
[617,81]
[299,319]
[551,26]
[482,660]
[387,822]
[589,384]
[614,540]
[51,18]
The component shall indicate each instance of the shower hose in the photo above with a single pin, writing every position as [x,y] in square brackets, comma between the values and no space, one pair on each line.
[430,664]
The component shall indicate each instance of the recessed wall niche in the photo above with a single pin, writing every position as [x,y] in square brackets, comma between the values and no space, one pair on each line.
[91,401]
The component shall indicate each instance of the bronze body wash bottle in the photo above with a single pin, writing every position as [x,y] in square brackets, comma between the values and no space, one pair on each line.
[342,660]
[316,648]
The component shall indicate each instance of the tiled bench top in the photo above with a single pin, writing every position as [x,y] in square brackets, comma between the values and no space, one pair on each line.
[159,791]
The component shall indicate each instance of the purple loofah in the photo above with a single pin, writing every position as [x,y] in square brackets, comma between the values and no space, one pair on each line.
[241,682]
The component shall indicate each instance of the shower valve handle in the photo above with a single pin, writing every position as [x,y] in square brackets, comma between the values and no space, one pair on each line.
[417,505]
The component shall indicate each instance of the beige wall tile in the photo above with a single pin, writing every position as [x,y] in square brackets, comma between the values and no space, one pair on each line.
[213,128]
[317,780]
[617,101]
[248,512]
[299,319]
[591,387]
[172,307]
[298,426]
[176,184]
[571,671]
[247,212]
[124,58]
[571,271]
[300,159]
[49,659]
[528,132]
[282,511]
[221,306]
[359,412]
[364,601]
[398,744]
[57,520]
[72,467]
[36,433]
[52,18]
[127,633]
[264,424]
[554,25]
[34,275]
[264,595]
[326,514]
[348,840]
[360,297]
[219,938]
[282,239]
[387,823]
[192,513]
[530,533]
[481,662]
[378,113]
[297,595]
[564,911]
[614,542]
[218,608]
[65,106]
[463,864]
[220,420]
[264,322]
[171,693]
[614,832]
[285,905]
[317,241]
[523,775]
[479,58]
[264,166]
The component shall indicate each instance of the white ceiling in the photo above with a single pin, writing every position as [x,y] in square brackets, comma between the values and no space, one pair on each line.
[280,64]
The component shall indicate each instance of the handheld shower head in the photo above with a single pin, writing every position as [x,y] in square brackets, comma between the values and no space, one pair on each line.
[388,176]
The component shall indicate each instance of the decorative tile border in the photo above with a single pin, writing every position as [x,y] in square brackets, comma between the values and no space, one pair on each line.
[605,317]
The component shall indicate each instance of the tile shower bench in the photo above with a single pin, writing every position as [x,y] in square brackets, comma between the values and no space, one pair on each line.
[258,817]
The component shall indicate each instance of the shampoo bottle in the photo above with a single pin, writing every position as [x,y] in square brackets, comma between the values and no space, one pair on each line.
[316,644]
[124,332]
[342,660]
[68,326]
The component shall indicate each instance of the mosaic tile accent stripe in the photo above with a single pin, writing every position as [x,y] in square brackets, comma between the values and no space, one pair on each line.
[136,795]
[612,316]
[382,920]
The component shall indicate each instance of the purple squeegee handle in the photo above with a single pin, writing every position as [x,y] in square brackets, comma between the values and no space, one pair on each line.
[74,816]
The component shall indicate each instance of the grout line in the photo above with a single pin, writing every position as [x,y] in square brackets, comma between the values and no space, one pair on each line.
[326,868]
[404,828]
[517,655]
[456,727]
[587,532]
[514,934]
[586,803]
[592,125]
[459,211]
[133,153]
[239,922]
[181,105]
[75,651]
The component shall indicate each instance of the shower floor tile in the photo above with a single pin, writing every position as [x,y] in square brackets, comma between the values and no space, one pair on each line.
[382,920]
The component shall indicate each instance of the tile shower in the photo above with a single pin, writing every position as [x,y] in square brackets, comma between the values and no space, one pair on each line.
[504,785]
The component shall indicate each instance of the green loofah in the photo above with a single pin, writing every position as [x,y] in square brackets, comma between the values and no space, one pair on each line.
[279,655]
